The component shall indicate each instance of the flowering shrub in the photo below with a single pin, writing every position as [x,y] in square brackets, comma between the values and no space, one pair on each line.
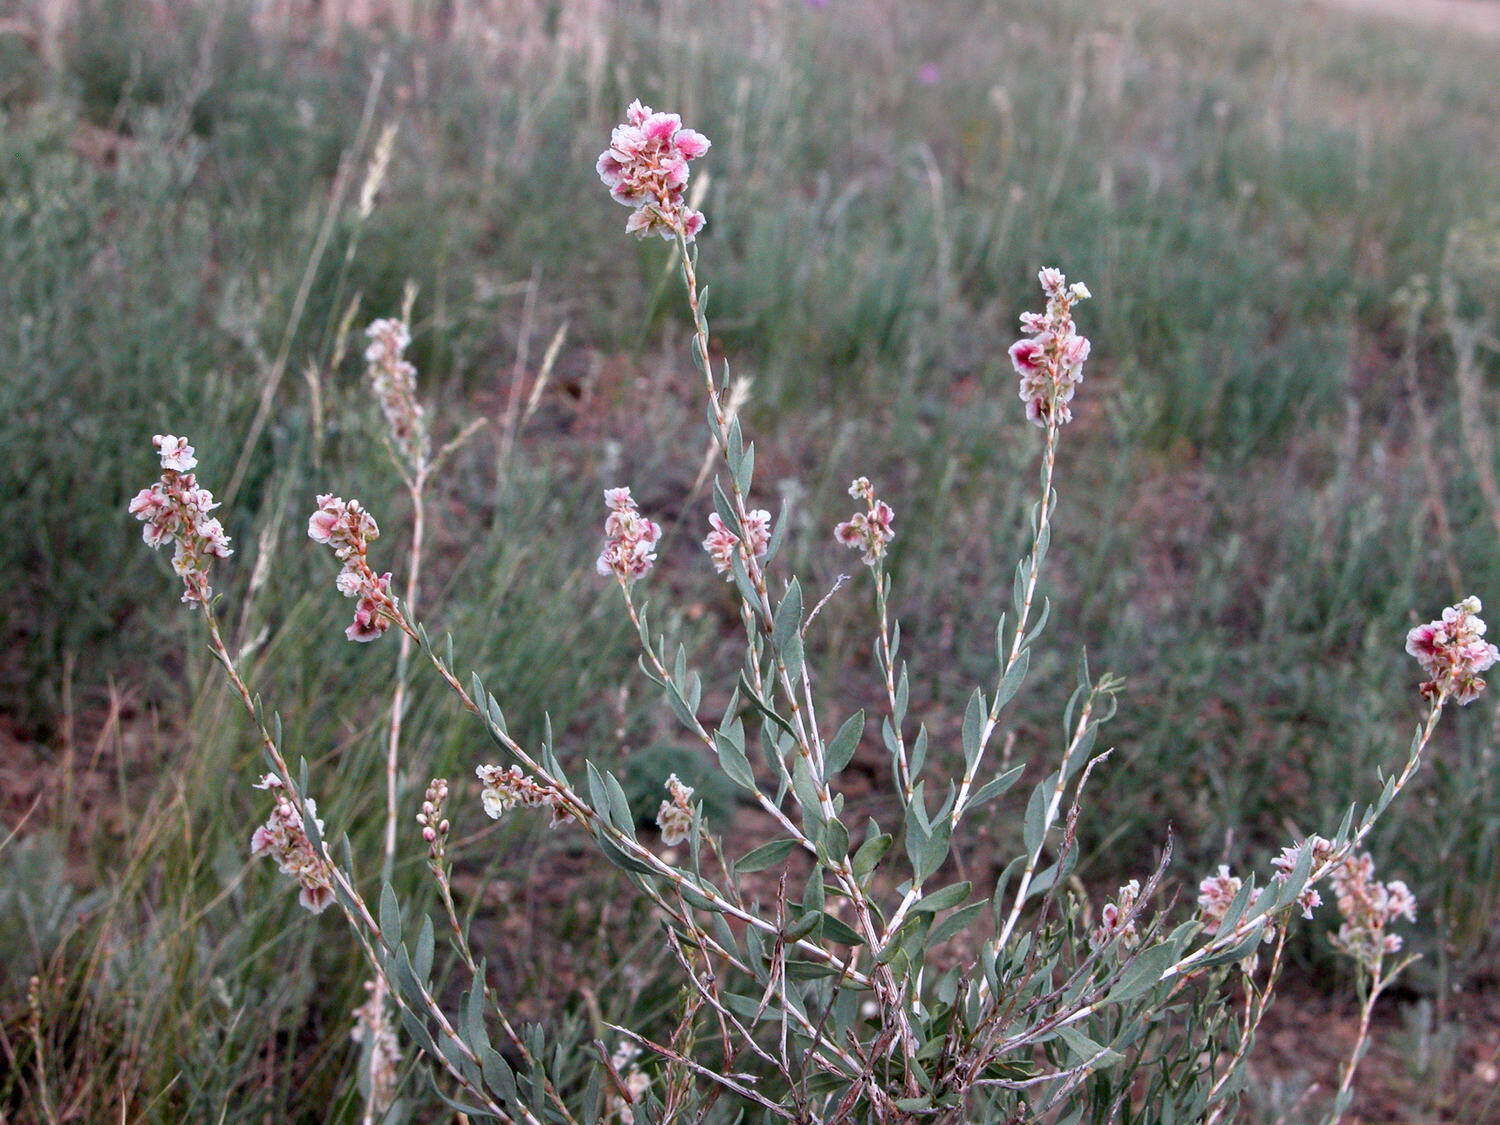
[884,989]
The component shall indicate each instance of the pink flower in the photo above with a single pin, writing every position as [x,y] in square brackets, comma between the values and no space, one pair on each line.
[283,838]
[347,528]
[690,144]
[645,168]
[721,542]
[1117,919]
[1452,652]
[1215,895]
[369,621]
[344,526]
[175,510]
[1049,358]
[393,381]
[504,789]
[676,814]
[1368,908]
[321,524]
[175,452]
[1285,863]
[870,531]
[1027,356]
[630,538]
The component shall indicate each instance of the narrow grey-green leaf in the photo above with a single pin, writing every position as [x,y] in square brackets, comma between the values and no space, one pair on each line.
[841,747]
[767,855]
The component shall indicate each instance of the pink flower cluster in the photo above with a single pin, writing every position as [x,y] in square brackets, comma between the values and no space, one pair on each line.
[1308,898]
[504,789]
[1215,894]
[283,838]
[1453,651]
[1117,919]
[347,528]
[1049,358]
[721,543]
[1369,907]
[372,1027]
[675,817]
[646,167]
[630,538]
[394,382]
[434,824]
[869,531]
[176,509]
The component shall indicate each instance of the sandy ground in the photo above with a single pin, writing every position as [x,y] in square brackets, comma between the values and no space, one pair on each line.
[1468,17]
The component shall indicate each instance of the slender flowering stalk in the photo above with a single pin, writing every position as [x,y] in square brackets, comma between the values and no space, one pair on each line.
[347,529]
[630,538]
[374,1031]
[504,789]
[284,839]
[1045,377]
[871,531]
[393,381]
[1049,358]
[795,685]
[176,510]
[1368,907]
[372,943]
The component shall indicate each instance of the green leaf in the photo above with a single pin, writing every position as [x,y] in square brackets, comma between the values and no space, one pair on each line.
[619,807]
[744,470]
[949,896]
[805,790]
[732,758]
[786,629]
[804,925]
[835,930]
[997,785]
[1013,680]
[421,961]
[498,1076]
[833,845]
[390,915]
[812,893]
[934,850]
[1084,1048]
[1239,951]
[870,853]
[954,924]
[620,859]
[767,855]
[1035,827]
[1143,973]
[841,746]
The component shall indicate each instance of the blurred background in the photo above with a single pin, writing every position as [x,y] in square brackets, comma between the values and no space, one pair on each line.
[1283,457]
